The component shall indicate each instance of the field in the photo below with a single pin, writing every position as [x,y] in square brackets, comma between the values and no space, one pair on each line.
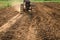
[43,23]
[6,14]
[45,0]
[5,3]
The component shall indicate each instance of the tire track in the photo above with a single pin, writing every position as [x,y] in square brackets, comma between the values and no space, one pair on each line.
[6,26]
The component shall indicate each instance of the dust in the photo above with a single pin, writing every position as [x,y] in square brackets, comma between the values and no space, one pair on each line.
[16,5]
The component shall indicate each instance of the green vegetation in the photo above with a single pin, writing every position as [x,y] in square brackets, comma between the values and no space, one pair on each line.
[6,3]
[45,0]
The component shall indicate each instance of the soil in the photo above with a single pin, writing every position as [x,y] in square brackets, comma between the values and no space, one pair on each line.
[6,14]
[43,23]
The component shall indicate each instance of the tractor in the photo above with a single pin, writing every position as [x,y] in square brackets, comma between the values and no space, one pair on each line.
[26,7]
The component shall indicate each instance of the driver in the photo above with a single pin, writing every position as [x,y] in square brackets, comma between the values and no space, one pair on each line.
[27,4]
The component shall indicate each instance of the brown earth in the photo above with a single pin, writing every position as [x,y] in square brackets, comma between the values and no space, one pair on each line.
[6,14]
[42,24]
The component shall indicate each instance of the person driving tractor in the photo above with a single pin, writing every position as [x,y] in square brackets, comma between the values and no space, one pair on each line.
[27,4]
